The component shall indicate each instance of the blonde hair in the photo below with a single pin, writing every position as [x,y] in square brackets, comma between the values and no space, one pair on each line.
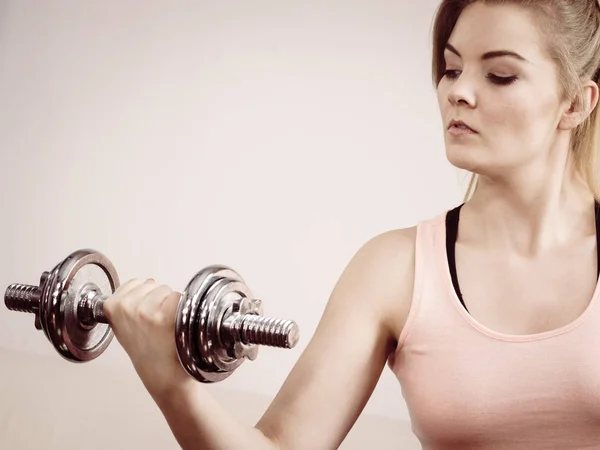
[573,42]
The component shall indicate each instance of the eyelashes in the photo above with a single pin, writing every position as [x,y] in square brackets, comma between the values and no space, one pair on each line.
[501,81]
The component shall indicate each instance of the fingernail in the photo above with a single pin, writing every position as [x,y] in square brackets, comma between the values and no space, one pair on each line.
[151,279]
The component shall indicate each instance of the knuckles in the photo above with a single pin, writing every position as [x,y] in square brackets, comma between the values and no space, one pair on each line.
[145,306]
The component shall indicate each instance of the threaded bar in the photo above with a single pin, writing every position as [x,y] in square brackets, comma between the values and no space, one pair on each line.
[22,298]
[268,331]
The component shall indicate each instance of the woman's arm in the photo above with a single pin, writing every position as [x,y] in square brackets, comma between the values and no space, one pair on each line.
[334,377]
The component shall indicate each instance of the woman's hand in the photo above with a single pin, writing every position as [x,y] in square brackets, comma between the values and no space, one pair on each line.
[142,316]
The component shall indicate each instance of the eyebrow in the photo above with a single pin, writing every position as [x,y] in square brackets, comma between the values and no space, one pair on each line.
[490,55]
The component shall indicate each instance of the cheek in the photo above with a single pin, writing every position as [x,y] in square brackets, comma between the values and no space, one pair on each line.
[507,112]
[520,116]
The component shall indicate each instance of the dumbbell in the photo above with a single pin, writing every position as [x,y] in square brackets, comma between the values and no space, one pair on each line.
[219,324]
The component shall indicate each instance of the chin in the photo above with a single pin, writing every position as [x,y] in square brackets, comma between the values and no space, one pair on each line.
[470,159]
[476,162]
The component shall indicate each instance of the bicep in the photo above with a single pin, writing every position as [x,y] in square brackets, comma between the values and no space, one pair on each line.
[337,372]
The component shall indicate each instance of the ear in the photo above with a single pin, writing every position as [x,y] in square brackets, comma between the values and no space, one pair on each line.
[577,112]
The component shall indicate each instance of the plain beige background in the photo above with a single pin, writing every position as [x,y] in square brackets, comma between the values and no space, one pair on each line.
[275,137]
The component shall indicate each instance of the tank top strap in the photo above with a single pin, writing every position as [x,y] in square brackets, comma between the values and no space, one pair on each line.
[430,305]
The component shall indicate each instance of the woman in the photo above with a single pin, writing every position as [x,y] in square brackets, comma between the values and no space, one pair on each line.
[490,322]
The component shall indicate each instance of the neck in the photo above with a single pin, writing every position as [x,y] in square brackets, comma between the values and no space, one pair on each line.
[529,214]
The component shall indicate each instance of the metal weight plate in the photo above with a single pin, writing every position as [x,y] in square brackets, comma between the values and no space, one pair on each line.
[227,296]
[81,270]
[186,323]
[191,322]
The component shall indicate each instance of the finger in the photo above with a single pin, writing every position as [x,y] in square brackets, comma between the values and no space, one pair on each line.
[117,298]
[126,288]
[134,297]
[170,304]
[153,299]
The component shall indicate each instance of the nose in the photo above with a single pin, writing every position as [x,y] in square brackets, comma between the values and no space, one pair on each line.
[462,92]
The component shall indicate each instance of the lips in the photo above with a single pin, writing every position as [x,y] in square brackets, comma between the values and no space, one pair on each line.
[460,125]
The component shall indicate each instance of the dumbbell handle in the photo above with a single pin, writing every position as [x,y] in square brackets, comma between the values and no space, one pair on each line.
[249,328]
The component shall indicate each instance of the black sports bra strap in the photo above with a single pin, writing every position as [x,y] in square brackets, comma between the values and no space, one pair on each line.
[452,218]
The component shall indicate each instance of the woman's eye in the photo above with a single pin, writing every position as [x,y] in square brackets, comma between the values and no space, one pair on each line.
[451,74]
[503,81]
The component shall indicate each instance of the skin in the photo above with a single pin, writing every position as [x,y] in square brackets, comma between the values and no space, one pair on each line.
[530,206]
[531,220]
[529,196]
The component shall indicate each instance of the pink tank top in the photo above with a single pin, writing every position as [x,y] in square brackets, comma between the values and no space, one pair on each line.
[469,387]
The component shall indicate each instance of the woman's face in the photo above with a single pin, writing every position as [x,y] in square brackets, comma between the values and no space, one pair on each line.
[501,83]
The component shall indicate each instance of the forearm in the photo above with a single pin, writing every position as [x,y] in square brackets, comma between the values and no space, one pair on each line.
[198,421]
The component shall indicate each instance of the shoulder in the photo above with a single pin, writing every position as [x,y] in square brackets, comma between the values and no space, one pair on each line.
[382,274]
[382,263]
[389,242]
[385,253]
[383,271]
[390,250]
[387,262]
